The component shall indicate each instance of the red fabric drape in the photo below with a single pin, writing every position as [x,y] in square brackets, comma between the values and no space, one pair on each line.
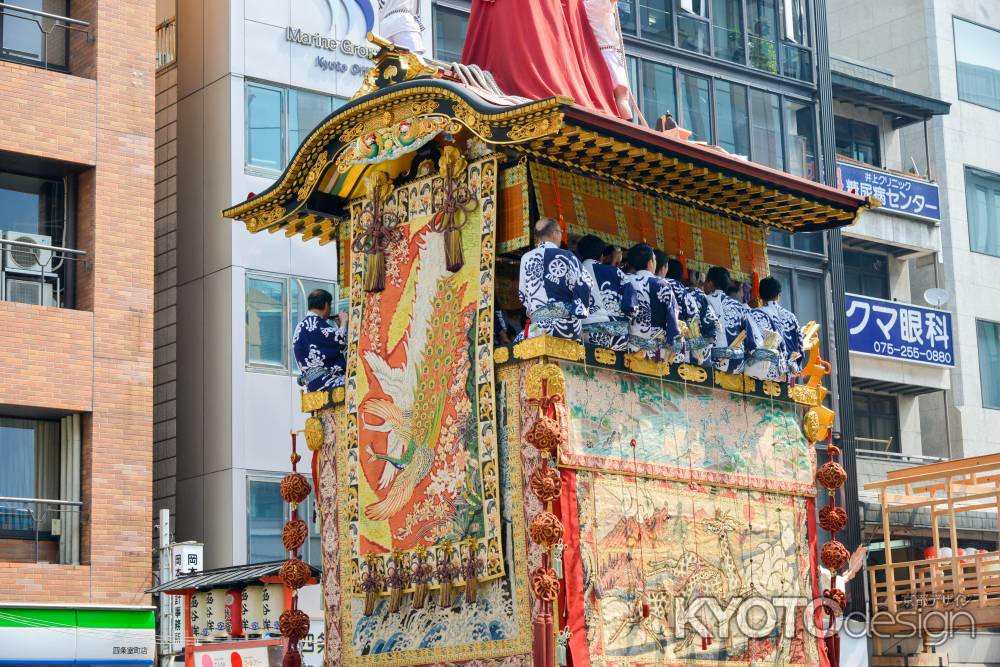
[573,571]
[824,658]
[540,48]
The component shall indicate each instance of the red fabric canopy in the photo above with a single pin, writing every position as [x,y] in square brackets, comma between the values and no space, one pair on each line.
[540,48]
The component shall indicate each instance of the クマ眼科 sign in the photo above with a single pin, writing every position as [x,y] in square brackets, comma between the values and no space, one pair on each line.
[899,331]
[899,194]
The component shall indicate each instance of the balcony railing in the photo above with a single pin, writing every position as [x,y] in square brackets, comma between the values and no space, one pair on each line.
[39,530]
[35,37]
[950,582]
[36,272]
[166,43]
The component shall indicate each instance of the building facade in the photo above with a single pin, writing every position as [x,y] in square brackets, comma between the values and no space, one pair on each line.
[76,306]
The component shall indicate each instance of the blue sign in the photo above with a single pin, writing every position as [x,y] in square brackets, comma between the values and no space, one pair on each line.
[899,194]
[899,331]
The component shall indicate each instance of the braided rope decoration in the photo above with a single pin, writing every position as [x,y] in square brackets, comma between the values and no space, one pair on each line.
[295,487]
[294,534]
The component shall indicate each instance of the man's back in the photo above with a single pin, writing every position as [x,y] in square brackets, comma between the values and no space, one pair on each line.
[319,352]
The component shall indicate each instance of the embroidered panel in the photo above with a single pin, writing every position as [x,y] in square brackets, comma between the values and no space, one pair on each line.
[684,432]
[672,541]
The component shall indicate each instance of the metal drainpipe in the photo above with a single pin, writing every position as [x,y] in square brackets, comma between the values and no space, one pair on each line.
[851,535]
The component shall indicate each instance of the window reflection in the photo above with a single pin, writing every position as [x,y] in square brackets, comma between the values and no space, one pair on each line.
[264,127]
[800,131]
[977,56]
[450,26]
[697,115]
[658,95]
[656,20]
[692,26]
[727,30]
[731,117]
[765,133]
[762,27]
[858,141]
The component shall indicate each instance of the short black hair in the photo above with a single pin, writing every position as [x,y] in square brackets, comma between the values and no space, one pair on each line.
[608,250]
[318,299]
[734,289]
[675,269]
[639,256]
[770,288]
[719,277]
[589,247]
[661,258]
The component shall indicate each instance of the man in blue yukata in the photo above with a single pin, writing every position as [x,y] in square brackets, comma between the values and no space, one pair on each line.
[693,311]
[653,310]
[553,287]
[319,346]
[737,336]
[783,322]
[607,325]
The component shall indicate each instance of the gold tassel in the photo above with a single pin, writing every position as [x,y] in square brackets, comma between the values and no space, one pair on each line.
[374,272]
[471,589]
[395,599]
[419,595]
[370,598]
[454,258]
[445,599]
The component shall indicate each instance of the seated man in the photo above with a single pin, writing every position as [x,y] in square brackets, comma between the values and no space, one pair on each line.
[737,336]
[653,307]
[607,325]
[319,347]
[552,285]
[784,322]
[694,311]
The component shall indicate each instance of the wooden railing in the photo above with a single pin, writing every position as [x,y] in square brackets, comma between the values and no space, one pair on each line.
[166,43]
[949,582]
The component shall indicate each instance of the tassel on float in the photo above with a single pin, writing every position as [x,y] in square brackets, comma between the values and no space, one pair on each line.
[374,272]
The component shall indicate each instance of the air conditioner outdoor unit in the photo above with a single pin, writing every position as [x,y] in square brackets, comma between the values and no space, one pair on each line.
[25,290]
[20,259]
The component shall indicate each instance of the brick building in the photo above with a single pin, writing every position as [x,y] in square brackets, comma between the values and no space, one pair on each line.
[76,311]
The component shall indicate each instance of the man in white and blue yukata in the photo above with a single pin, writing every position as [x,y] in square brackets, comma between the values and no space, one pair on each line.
[784,322]
[734,321]
[693,309]
[607,325]
[553,287]
[319,346]
[653,310]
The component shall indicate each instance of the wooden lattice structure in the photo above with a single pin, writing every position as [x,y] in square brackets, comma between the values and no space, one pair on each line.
[967,586]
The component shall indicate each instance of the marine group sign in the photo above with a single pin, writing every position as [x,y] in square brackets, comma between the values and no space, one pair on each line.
[900,194]
[899,331]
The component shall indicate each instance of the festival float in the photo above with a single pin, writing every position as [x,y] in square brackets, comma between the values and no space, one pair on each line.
[546,502]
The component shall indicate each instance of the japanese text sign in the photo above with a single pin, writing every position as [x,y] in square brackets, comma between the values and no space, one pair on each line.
[899,331]
[899,194]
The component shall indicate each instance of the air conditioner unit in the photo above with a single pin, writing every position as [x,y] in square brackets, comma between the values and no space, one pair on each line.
[25,290]
[21,259]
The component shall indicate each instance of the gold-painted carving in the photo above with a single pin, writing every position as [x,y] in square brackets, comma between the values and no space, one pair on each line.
[337,395]
[548,374]
[315,400]
[389,142]
[312,178]
[749,384]
[692,373]
[804,394]
[772,388]
[530,348]
[532,129]
[387,117]
[541,346]
[472,120]
[391,71]
[729,381]
[638,362]
[265,218]
[602,355]
[369,84]
[811,426]
[501,355]
[314,434]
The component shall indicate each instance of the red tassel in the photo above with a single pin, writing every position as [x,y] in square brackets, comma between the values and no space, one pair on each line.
[755,285]
[704,643]
[684,264]
[315,474]
[645,609]
[292,657]
[565,235]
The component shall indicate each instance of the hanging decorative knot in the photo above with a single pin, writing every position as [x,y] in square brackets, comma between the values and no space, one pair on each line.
[546,484]
[546,529]
[832,519]
[295,573]
[294,534]
[545,434]
[834,555]
[545,584]
[445,573]
[471,569]
[838,596]
[831,475]
[295,487]
[833,450]
[456,203]
[378,230]
[371,584]
[421,577]
[546,404]
[396,580]
[294,624]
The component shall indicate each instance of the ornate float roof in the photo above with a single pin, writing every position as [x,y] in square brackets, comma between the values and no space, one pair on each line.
[328,168]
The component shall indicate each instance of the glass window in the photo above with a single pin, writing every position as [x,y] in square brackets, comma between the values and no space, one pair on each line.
[450,26]
[627,16]
[692,26]
[264,130]
[32,205]
[305,112]
[29,449]
[658,96]
[804,241]
[800,132]
[731,117]
[265,519]
[988,334]
[765,131]
[977,58]
[656,20]
[866,274]
[796,21]
[30,39]
[696,102]
[265,320]
[727,30]
[876,421]
[796,62]
[762,27]
[300,291]
[858,141]
[982,195]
